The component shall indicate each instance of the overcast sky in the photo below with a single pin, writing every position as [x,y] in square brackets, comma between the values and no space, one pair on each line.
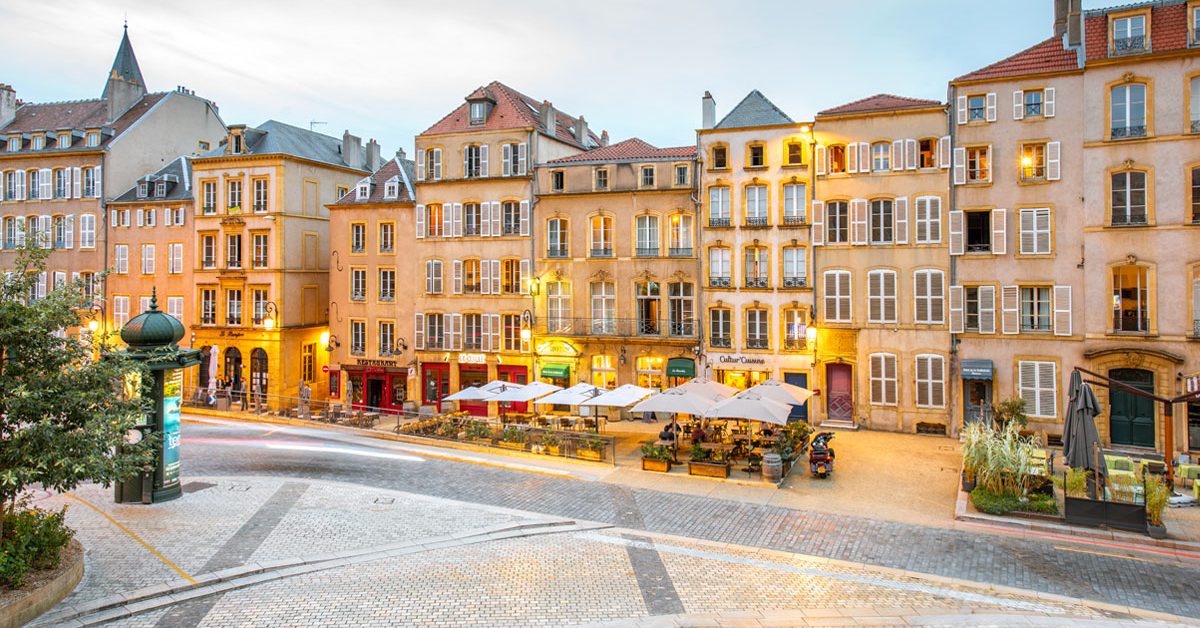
[390,69]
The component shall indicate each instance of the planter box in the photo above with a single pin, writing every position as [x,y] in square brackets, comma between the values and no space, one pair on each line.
[1094,513]
[553,450]
[709,469]
[508,445]
[662,466]
[590,454]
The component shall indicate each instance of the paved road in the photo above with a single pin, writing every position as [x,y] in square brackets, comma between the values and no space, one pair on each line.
[246,450]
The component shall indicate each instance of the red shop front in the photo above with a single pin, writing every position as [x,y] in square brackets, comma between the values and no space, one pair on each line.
[516,374]
[472,375]
[376,387]
[435,383]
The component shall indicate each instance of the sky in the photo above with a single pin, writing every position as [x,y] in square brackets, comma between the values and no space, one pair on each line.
[389,69]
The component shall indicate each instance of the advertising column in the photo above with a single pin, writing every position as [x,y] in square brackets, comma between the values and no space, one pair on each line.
[172,404]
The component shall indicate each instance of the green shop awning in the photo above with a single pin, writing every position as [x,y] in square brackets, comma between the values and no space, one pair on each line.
[681,367]
[977,369]
[556,371]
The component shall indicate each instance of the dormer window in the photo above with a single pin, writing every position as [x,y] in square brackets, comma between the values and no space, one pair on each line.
[93,139]
[143,189]
[557,180]
[236,144]
[39,142]
[1129,34]
[479,112]
[160,189]
[363,191]
[14,144]
[601,178]
[64,139]
[647,179]
[391,190]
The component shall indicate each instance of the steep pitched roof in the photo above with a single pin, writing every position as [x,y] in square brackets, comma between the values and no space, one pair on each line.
[178,190]
[78,115]
[513,110]
[879,102]
[632,149]
[125,65]
[1042,57]
[378,179]
[1168,28]
[754,110]
[277,138]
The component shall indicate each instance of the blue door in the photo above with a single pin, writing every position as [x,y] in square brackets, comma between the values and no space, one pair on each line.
[799,412]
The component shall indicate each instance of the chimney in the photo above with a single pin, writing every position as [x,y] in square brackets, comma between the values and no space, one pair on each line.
[121,95]
[1060,17]
[604,138]
[581,131]
[548,119]
[351,150]
[1074,24]
[8,104]
[708,111]
[401,155]
[372,155]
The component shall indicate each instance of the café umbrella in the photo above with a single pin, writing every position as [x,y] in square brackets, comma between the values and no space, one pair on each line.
[707,388]
[751,406]
[782,392]
[675,401]
[619,397]
[484,392]
[572,396]
[526,393]
[1081,440]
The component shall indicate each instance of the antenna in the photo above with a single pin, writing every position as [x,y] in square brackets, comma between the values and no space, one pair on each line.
[313,123]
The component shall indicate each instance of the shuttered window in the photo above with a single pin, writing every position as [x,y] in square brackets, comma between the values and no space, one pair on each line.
[1038,386]
[931,381]
[837,296]
[881,296]
[928,219]
[929,297]
[1035,231]
[883,379]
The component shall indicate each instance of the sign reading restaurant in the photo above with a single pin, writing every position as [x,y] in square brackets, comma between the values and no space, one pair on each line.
[368,362]
[741,359]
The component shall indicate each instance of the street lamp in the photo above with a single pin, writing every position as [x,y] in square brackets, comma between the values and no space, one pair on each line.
[400,346]
[526,325]
[331,342]
[94,324]
[268,314]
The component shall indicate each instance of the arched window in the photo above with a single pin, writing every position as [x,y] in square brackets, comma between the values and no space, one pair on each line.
[1128,110]
[258,374]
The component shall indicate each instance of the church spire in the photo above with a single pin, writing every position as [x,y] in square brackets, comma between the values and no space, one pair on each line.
[125,67]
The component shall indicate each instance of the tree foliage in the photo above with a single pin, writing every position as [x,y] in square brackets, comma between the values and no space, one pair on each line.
[63,410]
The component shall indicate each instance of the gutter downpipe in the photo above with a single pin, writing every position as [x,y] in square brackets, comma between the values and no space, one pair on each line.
[955,360]
[701,309]
[533,198]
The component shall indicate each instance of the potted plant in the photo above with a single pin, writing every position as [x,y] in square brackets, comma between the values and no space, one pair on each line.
[656,458]
[478,432]
[591,448]
[1157,495]
[703,463]
[512,438]
[550,444]
[974,452]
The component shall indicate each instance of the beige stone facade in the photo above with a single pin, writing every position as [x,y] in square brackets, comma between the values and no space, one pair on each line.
[882,263]
[617,268]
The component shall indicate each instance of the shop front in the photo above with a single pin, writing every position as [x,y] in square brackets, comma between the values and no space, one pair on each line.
[976,378]
[680,370]
[517,374]
[472,374]
[741,371]
[375,385]
[435,383]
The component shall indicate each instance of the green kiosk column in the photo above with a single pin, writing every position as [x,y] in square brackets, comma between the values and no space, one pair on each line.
[152,338]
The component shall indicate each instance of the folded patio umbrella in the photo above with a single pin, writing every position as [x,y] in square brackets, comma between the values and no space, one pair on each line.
[528,392]
[1080,437]
[676,401]
[572,396]
[781,391]
[484,392]
[707,388]
[620,397]
[751,406]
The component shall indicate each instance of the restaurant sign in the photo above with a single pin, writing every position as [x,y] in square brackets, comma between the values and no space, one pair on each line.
[741,359]
[369,362]
[472,358]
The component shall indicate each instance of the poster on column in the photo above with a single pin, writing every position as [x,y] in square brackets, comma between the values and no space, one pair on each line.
[172,402]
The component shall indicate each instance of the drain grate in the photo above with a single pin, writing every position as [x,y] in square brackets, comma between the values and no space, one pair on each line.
[385,500]
[239,487]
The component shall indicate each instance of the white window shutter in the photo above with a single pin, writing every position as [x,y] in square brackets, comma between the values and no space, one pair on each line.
[852,157]
[420,221]
[864,157]
[419,331]
[1048,102]
[1062,310]
[1053,161]
[1041,223]
[46,231]
[420,165]
[437,164]
[496,346]
[943,152]
[447,220]
[987,309]
[20,185]
[1010,303]
[456,332]
[483,160]
[99,181]
[458,277]
[21,231]
[457,219]
[900,212]
[485,277]
[69,231]
[898,155]
[522,153]
[821,167]
[140,217]
[956,309]
[485,323]
[1018,105]
[991,107]
[46,179]
[962,109]
[999,231]
[960,166]
[991,167]
[485,219]
[496,277]
[957,237]
[818,223]
[524,217]
[466,160]
[76,183]
[506,158]
[858,221]
[910,154]
[525,276]
[497,214]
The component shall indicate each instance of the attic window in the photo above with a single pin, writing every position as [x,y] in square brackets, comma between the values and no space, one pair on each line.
[93,138]
[478,112]
[143,189]
[39,142]
[14,144]
[391,189]
[363,191]
[237,144]
[160,189]
[64,140]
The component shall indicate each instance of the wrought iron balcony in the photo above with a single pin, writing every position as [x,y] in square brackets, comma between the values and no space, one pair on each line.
[723,342]
[757,221]
[720,282]
[1125,132]
[758,342]
[208,318]
[756,282]
[795,282]
[1134,219]
[605,252]
[793,220]
[557,252]
[511,229]
[234,320]
[209,262]
[358,350]
[472,344]
[795,344]
[647,251]
[681,251]
[1195,126]
[1129,45]
[619,327]
[470,229]
[718,222]
[358,295]
[387,297]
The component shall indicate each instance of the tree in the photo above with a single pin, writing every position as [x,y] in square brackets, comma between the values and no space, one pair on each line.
[63,410]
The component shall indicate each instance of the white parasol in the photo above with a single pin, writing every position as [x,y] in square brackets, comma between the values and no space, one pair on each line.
[780,391]
[483,393]
[707,388]
[572,396]
[620,397]
[675,401]
[753,407]
[528,392]
[213,354]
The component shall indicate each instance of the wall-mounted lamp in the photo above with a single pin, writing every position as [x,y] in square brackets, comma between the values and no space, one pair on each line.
[526,326]
[332,343]
[97,321]
[269,312]
[534,287]
[621,357]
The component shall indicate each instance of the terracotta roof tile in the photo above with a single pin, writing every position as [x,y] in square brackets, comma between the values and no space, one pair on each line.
[378,187]
[1168,29]
[632,149]
[880,102]
[77,114]
[513,110]
[1046,56]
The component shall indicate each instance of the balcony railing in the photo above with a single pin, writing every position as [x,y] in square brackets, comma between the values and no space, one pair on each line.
[620,327]
[471,288]
[1032,110]
[208,319]
[757,221]
[755,342]
[260,208]
[234,320]
[718,222]
[1125,132]
[234,264]
[209,263]
[472,344]
[208,210]
[387,297]
[358,350]
[1129,45]
[557,252]
[1196,328]
[793,220]
[608,252]
[8,245]
[511,229]
[979,247]
[470,229]
[436,342]
[1195,126]
[681,251]
[756,282]
[647,251]
[357,248]
[795,282]
[358,295]
[720,282]
[795,344]
[1134,219]
[723,342]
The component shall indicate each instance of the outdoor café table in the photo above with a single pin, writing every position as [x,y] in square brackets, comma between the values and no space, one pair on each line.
[566,423]
[670,444]
[717,446]
[370,419]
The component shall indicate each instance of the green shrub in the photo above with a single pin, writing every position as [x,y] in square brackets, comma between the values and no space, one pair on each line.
[1002,504]
[698,453]
[650,451]
[513,435]
[33,539]
[593,443]
[478,431]
[1157,496]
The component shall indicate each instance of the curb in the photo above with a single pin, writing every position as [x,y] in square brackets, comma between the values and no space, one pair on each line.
[42,599]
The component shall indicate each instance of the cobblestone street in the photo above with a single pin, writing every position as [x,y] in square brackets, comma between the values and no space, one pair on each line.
[314,531]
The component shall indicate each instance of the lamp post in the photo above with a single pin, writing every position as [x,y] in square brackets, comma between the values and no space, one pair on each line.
[95,324]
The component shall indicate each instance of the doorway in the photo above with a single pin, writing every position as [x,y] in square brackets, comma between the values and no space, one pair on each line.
[436,383]
[800,410]
[233,367]
[1131,417]
[258,374]
[977,401]
[840,402]
[374,393]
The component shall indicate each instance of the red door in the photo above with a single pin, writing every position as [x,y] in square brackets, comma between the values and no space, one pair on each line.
[840,387]
[516,375]
[435,383]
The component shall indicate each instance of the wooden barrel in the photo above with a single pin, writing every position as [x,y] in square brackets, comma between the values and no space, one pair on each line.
[772,468]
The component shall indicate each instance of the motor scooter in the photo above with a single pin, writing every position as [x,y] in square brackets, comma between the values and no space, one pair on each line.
[820,455]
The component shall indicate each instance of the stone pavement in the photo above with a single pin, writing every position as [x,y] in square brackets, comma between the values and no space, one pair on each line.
[267,551]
